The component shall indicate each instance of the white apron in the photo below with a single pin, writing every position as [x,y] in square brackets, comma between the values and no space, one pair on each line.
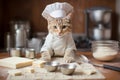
[58,45]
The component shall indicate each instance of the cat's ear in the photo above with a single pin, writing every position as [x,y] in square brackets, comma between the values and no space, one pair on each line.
[69,16]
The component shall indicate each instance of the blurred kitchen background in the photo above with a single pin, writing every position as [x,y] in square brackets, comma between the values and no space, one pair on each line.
[28,12]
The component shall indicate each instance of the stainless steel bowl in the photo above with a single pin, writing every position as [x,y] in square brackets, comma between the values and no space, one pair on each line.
[68,69]
[51,66]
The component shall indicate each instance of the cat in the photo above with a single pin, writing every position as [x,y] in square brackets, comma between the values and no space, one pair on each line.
[59,41]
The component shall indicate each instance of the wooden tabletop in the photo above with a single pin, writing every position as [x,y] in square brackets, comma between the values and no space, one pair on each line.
[109,74]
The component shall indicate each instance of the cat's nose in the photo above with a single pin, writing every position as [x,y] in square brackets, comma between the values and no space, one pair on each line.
[59,34]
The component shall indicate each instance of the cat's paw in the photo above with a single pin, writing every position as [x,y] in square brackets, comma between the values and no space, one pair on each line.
[69,59]
[45,56]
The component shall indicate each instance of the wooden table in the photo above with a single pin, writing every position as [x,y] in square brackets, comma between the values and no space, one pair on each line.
[109,74]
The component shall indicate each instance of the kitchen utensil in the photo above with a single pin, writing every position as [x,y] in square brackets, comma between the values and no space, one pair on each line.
[20,31]
[98,23]
[51,66]
[86,60]
[100,14]
[67,68]
[101,33]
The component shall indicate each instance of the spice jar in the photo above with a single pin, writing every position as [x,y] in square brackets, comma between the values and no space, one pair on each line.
[15,52]
[30,53]
[105,50]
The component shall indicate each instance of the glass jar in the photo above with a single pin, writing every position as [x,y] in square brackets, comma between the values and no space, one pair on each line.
[105,50]
[30,53]
[15,52]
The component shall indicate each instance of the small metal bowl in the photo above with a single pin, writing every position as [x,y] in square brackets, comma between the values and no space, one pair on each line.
[68,69]
[51,66]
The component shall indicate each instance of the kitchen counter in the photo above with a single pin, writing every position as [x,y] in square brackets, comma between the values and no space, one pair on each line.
[109,74]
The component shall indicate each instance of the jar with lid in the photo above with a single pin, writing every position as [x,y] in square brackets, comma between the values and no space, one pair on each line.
[30,53]
[105,50]
[15,52]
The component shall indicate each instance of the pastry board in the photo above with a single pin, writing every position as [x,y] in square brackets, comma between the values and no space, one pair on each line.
[42,74]
[15,62]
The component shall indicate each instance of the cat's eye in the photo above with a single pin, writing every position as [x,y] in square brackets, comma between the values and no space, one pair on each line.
[63,27]
[55,27]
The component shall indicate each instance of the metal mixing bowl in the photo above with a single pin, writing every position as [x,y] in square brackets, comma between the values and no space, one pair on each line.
[51,66]
[67,69]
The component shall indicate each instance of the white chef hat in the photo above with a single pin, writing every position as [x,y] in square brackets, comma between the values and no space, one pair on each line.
[57,10]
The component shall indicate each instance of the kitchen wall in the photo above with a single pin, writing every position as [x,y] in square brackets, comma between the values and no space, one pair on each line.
[1,7]
[31,10]
[1,17]
[118,14]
